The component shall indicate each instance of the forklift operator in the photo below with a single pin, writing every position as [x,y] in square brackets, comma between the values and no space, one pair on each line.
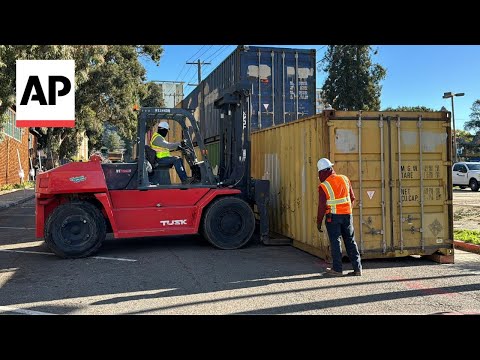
[163,147]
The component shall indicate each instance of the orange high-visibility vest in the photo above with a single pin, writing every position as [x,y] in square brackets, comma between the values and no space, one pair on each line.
[337,191]
[161,152]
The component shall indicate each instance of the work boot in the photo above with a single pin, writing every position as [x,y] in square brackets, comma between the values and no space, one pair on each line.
[355,273]
[329,271]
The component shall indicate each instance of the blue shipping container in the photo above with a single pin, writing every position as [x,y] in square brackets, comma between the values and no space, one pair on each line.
[283,83]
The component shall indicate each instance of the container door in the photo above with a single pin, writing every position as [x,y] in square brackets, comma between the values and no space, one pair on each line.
[260,73]
[289,86]
[419,178]
[358,149]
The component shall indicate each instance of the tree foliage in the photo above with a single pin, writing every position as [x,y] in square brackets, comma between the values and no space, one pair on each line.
[112,141]
[353,80]
[410,108]
[474,122]
[109,80]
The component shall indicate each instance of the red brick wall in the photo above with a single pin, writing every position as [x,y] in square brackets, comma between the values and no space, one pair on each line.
[9,166]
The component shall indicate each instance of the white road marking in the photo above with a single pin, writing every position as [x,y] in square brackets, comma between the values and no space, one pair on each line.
[27,252]
[112,258]
[22,311]
[21,245]
[16,228]
[47,253]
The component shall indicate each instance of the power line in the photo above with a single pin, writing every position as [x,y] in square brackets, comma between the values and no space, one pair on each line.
[220,48]
[320,48]
[190,58]
[202,54]
[199,67]
[209,72]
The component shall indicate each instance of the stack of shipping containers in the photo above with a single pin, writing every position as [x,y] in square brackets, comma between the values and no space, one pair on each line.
[398,162]
[282,89]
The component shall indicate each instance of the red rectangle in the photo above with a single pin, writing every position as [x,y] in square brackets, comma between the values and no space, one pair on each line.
[45,123]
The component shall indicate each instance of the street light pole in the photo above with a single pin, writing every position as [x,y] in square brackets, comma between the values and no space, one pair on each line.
[446,96]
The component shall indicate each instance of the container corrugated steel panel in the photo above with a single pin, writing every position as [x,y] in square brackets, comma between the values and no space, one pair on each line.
[282,82]
[403,158]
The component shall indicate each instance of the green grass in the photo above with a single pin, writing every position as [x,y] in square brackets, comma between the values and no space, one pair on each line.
[470,236]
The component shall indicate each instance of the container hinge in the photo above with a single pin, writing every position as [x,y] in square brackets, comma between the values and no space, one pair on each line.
[330,123]
[448,202]
[446,124]
[447,163]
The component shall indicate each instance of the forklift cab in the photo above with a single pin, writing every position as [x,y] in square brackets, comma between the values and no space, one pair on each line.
[151,174]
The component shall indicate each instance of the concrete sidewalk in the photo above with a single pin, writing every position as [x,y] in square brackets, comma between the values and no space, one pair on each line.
[16,197]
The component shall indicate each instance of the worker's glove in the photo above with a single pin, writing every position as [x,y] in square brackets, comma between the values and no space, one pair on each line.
[183,143]
[319,227]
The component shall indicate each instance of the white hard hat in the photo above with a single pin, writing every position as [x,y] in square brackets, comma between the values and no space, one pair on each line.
[164,125]
[323,164]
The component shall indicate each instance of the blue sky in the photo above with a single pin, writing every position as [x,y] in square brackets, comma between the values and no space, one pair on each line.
[416,74]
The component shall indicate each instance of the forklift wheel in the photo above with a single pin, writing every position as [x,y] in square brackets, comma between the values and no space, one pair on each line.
[228,223]
[75,230]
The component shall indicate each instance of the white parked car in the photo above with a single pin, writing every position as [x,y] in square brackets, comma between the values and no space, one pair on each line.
[466,174]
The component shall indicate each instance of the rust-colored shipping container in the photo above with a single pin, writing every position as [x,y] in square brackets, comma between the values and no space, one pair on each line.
[400,168]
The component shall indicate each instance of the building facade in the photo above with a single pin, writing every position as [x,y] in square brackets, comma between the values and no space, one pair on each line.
[17,148]
[172,92]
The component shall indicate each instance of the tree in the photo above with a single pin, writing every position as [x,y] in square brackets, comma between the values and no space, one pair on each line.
[109,80]
[113,141]
[410,108]
[154,98]
[353,80]
[474,122]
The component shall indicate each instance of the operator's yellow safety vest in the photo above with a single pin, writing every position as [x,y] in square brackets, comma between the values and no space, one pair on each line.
[161,152]
[337,191]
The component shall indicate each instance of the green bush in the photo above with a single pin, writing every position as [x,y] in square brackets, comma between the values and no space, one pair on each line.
[25,185]
[470,236]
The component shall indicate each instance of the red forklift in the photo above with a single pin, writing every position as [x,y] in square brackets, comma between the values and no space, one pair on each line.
[77,204]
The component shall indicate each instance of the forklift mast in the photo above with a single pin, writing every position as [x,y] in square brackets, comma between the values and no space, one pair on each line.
[235,165]
[235,151]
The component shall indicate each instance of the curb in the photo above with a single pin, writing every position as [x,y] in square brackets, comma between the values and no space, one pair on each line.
[17,202]
[461,245]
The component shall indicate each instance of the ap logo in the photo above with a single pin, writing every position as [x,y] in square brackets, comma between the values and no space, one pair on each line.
[45,93]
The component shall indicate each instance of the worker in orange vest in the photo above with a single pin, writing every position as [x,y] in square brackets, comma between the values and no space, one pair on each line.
[335,202]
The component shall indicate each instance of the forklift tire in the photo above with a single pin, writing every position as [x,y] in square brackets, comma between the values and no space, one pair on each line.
[228,223]
[75,230]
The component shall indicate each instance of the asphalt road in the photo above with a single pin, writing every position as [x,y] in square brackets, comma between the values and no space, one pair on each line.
[185,275]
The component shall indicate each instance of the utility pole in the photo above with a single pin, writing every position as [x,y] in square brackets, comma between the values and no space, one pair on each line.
[199,64]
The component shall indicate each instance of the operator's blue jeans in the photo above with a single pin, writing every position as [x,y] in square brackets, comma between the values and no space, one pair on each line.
[341,226]
[175,161]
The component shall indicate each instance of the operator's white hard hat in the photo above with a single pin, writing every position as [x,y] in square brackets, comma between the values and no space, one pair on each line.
[323,164]
[164,125]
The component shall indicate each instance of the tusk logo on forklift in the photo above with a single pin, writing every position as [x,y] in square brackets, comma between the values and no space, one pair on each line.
[244,120]
[77,179]
[173,222]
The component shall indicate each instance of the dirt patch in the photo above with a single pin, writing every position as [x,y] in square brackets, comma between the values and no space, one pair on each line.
[466,209]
